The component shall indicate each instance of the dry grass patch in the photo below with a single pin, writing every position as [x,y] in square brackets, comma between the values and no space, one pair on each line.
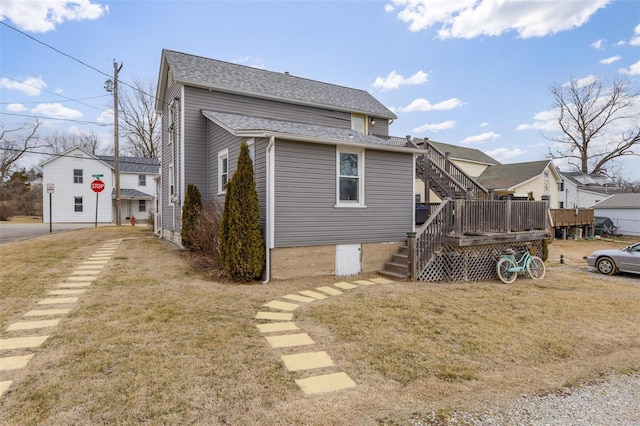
[153,342]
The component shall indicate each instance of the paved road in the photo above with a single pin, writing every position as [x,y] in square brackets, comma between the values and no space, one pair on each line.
[11,231]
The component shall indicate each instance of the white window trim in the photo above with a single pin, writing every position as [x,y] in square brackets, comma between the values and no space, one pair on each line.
[365,128]
[221,156]
[351,204]
[172,182]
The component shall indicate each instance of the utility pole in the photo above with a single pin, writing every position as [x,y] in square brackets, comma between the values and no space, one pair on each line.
[116,138]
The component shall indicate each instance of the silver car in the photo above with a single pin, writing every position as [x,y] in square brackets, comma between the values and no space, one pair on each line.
[612,261]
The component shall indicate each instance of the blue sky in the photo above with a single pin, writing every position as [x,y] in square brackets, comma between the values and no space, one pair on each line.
[467,72]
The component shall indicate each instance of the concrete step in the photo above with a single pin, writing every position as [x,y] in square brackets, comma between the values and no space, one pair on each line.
[398,268]
[393,275]
[401,259]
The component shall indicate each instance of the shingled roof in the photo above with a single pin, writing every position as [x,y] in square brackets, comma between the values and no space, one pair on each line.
[244,125]
[133,164]
[198,71]
[628,200]
[462,153]
[504,176]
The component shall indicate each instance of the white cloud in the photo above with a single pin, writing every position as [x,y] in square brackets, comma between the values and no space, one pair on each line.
[582,82]
[105,117]
[395,80]
[31,86]
[16,108]
[251,61]
[57,91]
[484,124]
[598,44]
[621,43]
[634,69]
[505,153]
[544,120]
[481,138]
[610,60]
[389,8]
[424,105]
[435,127]
[473,18]
[43,16]
[56,110]
[635,41]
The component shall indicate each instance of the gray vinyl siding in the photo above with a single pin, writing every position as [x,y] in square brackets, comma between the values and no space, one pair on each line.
[305,197]
[172,91]
[260,175]
[237,104]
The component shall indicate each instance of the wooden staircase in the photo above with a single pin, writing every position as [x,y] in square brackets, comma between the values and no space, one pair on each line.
[398,268]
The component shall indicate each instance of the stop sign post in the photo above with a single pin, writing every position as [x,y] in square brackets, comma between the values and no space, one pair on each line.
[97,186]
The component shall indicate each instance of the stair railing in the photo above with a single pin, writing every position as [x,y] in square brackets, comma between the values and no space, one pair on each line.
[427,239]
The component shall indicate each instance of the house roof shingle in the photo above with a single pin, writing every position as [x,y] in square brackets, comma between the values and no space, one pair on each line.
[628,200]
[504,176]
[228,77]
[463,153]
[245,125]
[133,164]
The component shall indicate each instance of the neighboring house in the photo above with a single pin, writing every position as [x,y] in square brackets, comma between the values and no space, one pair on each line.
[471,161]
[519,179]
[580,190]
[73,200]
[623,209]
[334,198]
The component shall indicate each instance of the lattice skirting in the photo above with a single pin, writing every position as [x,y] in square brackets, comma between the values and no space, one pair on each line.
[473,263]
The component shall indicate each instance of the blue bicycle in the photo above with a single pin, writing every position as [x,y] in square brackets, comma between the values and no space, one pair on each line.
[509,265]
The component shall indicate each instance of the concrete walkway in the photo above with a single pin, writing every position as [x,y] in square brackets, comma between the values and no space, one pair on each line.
[16,352]
[282,333]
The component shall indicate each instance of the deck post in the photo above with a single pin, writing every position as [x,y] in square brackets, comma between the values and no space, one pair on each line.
[458,216]
[412,253]
[508,216]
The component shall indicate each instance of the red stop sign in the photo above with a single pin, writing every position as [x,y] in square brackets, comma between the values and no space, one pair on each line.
[97,185]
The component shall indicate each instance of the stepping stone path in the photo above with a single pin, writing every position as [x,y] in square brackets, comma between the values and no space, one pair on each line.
[15,352]
[281,332]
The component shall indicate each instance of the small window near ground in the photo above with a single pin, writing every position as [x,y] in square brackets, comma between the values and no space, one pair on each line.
[171,184]
[142,205]
[142,180]
[77,204]
[223,171]
[77,175]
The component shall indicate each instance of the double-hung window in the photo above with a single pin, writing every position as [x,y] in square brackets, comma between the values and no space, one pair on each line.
[223,171]
[142,180]
[77,176]
[172,187]
[142,205]
[350,177]
[77,204]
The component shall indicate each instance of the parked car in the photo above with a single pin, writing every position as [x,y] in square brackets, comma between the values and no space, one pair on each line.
[612,261]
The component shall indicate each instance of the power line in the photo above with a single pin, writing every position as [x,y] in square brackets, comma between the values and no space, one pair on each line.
[77,60]
[53,118]
[57,100]
[123,160]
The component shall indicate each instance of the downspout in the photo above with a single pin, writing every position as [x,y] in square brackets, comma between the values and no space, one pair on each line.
[269,215]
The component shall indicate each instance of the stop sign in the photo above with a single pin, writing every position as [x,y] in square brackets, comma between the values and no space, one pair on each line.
[97,185]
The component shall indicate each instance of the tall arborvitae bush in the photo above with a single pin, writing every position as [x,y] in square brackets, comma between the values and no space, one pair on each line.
[191,210]
[242,246]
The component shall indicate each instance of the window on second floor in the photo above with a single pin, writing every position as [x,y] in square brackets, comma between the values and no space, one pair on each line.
[77,175]
[142,180]
[358,123]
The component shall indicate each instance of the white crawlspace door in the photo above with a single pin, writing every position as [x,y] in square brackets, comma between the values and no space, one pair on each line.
[348,259]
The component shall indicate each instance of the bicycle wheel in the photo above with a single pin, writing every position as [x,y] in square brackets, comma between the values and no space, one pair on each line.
[535,268]
[505,269]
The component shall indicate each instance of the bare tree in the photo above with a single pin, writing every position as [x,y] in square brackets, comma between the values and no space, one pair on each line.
[598,124]
[140,125]
[15,143]
[61,142]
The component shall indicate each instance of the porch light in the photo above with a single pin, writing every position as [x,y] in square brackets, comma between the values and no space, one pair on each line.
[372,122]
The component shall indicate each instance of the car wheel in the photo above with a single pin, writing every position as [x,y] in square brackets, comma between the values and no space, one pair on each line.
[606,266]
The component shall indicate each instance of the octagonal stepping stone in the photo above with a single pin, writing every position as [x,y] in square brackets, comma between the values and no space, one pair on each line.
[307,361]
[57,300]
[313,294]
[345,286]
[22,342]
[276,326]
[298,298]
[282,306]
[14,362]
[276,316]
[4,386]
[325,383]
[32,325]
[290,340]
[329,290]
[43,312]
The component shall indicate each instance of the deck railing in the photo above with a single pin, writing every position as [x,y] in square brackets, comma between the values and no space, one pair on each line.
[571,217]
[456,218]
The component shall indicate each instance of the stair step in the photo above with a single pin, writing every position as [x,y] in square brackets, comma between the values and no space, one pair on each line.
[401,259]
[396,276]
[396,267]
[403,250]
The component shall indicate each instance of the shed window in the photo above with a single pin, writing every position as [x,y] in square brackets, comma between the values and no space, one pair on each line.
[77,204]
[77,176]
[350,178]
